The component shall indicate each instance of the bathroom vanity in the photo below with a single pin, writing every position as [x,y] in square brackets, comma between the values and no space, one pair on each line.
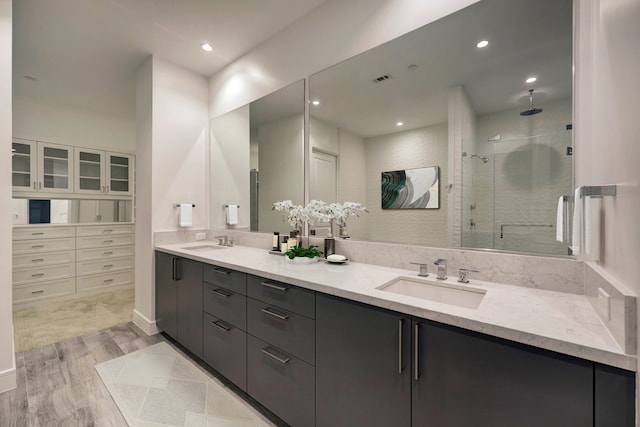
[321,345]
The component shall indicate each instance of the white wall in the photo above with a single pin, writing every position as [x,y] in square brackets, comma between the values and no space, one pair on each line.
[352,182]
[7,359]
[52,123]
[172,116]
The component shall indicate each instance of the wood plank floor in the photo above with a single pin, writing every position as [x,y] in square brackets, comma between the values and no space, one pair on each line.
[58,385]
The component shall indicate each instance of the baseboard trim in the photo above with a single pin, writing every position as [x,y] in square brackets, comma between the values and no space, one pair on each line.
[8,378]
[149,327]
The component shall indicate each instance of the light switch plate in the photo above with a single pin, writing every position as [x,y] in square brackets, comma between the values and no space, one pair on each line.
[604,303]
[201,236]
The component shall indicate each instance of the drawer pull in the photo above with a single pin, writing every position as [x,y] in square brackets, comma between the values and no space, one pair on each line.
[221,293]
[107,281]
[218,324]
[37,275]
[274,286]
[37,260]
[108,253]
[107,241]
[37,246]
[274,314]
[37,234]
[284,361]
[41,291]
[220,271]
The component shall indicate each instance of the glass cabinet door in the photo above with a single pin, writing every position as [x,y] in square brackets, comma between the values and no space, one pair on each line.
[90,171]
[119,173]
[55,167]
[23,165]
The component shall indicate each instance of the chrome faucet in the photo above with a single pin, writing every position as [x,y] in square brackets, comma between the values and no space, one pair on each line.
[442,268]
[224,240]
[423,269]
[463,274]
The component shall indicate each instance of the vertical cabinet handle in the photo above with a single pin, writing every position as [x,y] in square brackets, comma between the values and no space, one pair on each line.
[34,185]
[416,353]
[400,328]
[175,269]
[39,185]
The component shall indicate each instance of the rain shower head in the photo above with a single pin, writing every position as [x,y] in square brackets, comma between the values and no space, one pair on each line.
[531,111]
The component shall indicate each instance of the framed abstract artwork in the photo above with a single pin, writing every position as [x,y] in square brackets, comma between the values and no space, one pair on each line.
[411,188]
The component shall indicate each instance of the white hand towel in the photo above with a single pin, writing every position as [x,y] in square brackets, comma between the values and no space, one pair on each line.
[560,220]
[186,215]
[232,214]
[577,222]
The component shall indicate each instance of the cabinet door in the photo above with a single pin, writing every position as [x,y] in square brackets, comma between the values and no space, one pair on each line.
[615,397]
[90,171]
[468,379]
[119,173]
[189,284]
[166,294]
[363,363]
[23,165]
[55,168]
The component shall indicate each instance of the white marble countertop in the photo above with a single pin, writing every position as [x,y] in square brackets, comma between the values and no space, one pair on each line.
[557,321]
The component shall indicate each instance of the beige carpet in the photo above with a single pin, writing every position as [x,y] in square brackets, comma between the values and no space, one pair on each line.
[54,322]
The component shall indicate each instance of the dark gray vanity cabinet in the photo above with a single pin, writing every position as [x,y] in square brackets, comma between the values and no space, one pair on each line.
[225,323]
[179,300]
[363,365]
[464,378]
[281,349]
[615,397]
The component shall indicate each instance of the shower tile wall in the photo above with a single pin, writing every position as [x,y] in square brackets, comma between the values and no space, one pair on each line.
[522,180]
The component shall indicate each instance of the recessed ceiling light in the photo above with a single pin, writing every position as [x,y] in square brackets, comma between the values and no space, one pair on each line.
[206,47]
[399,124]
[482,44]
[531,79]
[316,102]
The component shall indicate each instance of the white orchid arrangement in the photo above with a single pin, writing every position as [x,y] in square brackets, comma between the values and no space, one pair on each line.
[319,211]
[295,215]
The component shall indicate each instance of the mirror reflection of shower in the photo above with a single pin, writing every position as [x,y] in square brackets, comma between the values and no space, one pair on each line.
[476,156]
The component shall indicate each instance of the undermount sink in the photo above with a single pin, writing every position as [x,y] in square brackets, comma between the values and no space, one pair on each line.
[203,247]
[447,293]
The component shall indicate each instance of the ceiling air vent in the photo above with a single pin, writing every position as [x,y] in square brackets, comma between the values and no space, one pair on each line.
[381,78]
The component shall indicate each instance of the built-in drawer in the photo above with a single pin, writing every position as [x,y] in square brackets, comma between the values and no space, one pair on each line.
[43,259]
[104,266]
[104,230]
[280,294]
[44,290]
[104,241]
[225,349]
[229,279]
[43,274]
[43,245]
[105,253]
[43,232]
[84,283]
[289,331]
[281,382]
[226,304]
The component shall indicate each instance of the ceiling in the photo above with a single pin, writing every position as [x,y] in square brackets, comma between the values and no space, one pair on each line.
[84,54]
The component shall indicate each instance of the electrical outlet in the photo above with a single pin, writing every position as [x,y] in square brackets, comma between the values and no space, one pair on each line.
[604,303]
[201,236]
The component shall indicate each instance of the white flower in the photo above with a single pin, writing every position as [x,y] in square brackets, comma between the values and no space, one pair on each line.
[317,210]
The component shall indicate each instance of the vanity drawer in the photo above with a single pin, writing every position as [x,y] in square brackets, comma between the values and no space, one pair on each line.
[106,253]
[289,331]
[229,279]
[43,274]
[29,233]
[43,259]
[282,295]
[84,283]
[104,230]
[281,382]
[103,266]
[43,245]
[44,290]
[226,304]
[104,241]
[225,350]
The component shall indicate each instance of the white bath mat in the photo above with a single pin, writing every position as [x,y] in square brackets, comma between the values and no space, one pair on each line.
[157,386]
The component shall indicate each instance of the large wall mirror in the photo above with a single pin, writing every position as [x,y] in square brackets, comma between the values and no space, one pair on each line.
[257,158]
[494,117]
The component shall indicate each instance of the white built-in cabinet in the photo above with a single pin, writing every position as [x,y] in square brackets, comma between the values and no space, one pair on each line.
[41,167]
[103,172]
